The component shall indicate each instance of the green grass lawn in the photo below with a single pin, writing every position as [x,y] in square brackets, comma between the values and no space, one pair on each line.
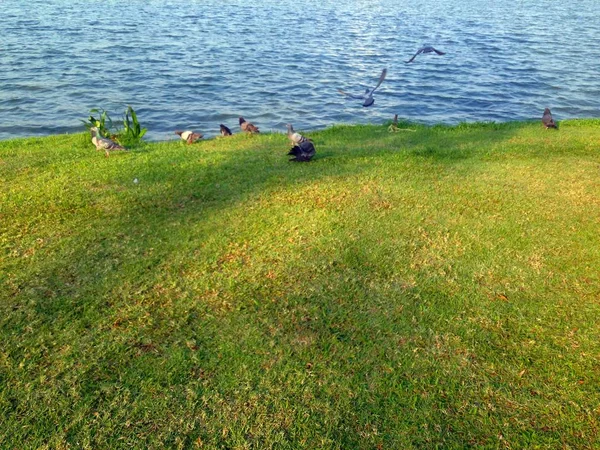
[429,289]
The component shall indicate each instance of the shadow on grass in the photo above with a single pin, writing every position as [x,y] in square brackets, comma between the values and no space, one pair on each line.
[105,312]
[120,253]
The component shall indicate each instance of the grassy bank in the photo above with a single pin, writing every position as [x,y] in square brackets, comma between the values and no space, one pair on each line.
[410,290]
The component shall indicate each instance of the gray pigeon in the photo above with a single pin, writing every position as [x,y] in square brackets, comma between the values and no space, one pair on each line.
[547,119]
[103,143]
[426,49]
[296,138]
[303,152]
[367,97]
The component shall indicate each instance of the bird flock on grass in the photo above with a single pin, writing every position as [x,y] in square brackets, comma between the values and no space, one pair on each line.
[303,149]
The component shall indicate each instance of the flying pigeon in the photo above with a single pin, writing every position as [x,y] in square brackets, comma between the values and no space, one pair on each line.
[547,119]
[224,130]
[296,138]
[427,49]
[367,97]
[247,126]
[103,143]
[303,152]
[189,136]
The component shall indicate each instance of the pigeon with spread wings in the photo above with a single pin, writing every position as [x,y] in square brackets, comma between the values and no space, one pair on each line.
[367,97]
[303,151]
[426,49]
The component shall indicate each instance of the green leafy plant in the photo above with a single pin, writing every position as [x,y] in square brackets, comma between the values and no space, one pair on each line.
[130,135]
[103,123]
[132,132]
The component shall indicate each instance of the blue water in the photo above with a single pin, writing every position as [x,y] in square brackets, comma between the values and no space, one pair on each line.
[195,64]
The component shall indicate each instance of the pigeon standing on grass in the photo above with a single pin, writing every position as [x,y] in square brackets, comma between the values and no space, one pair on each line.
[547,119]
[303,152]
[103,143]
[247,126]
[189,136]
[224,130]
[367,97]
[426,49]
[293,136]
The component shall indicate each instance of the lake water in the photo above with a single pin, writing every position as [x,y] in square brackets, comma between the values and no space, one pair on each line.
[195,64]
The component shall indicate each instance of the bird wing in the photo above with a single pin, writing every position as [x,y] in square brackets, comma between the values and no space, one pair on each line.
[358,97]
[438,52]
[307,151]
[381,78]
[415,55]
[297,138]
[107,144]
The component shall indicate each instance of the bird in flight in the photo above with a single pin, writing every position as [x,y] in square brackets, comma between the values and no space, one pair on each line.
[367,97]
[426,49]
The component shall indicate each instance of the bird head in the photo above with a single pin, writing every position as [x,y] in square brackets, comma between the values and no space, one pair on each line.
[242,120]
[94,131]
[547,111]
[179,132]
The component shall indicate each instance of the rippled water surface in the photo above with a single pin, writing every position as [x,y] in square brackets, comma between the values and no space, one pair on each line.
[185,64]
